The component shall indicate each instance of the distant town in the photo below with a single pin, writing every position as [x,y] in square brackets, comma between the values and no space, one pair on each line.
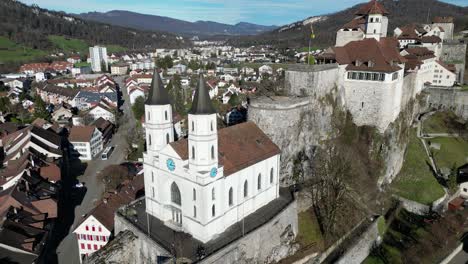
[220,153]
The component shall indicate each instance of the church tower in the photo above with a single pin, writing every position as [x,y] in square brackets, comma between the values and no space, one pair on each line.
[158,117]
[203,134]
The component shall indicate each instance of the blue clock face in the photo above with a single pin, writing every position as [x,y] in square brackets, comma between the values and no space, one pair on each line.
[170,164]
[213,172]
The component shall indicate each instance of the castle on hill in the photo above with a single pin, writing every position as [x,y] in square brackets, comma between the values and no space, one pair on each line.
[372,67]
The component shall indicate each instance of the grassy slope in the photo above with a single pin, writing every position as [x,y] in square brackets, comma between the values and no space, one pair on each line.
[453,151]
[441,122]
[10,51]
[309,231]
[415,180]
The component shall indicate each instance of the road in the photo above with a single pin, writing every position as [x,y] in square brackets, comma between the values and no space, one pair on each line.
[67,251]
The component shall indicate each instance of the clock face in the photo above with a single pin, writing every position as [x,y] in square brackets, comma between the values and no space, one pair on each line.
[213,172]
[170,164]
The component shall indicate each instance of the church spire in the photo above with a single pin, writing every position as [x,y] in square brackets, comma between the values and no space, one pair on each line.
[201,104]
[157,94]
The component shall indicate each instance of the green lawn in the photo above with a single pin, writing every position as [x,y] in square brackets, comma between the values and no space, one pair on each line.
[465,88]
[66,44]
[381,225]
[415,180]
[82,64]
[441,122]
[10,51]
[453,151]
[114,48]
[309,231]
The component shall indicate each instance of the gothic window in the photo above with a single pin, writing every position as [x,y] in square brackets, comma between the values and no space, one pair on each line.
[259,181]
[152,176]
[230,197]
[213,194]
[165,115]
[149,115]
[212,152]
[271,175]
[167,138]
[194,194]
[152,188]
[149,139]
[194,212]
[213,211]
[193,152]
[246,188]
[175,194]
[193,126]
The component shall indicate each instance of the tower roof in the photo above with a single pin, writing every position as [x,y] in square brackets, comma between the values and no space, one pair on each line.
[201,104]
[157,94]
[373,7]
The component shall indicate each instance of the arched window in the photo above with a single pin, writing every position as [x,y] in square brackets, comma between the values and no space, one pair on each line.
[259,181]
[230,197]
[193,152]
[213,211]
[165,115]
[211,125]
[213,194]
[212,152]
[271,175]
[175,194]
[372,19]
[149,139]
[246,189]
[194,194]
[149,115]
[194,212]
[193,126]
[167,138]
[152,176]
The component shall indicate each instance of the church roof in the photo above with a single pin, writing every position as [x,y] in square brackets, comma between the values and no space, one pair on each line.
[201,104]
[239,147]
[373,7]
[157,94]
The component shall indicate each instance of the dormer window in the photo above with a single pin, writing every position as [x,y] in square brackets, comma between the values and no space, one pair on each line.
[357,63]
[370,64]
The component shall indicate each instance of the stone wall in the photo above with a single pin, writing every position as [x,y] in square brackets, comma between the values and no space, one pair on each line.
[454,52]
[311,80]
[362,247]
[450,99]
[267,244]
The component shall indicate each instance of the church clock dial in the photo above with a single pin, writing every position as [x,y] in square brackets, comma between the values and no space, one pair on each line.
[170,164]
[214,172]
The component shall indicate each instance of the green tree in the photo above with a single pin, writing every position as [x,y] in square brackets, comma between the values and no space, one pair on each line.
[194,65]
[40,110]
[5,104]
[165,63]
[138,108]
[311,60]
[235,100]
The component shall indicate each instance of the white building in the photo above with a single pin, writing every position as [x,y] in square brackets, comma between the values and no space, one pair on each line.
[119,69]
[86,141]
[92,235]
[206,183]
[444,75]
[103,110]
[98,56]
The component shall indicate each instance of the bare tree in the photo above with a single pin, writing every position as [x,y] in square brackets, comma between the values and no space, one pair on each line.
[328,187]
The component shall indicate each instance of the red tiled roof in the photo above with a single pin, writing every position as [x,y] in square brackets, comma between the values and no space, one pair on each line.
[356,23]
[383,54]
[431,39]
[51,172]
[239,147]
[373,7]
[81,133]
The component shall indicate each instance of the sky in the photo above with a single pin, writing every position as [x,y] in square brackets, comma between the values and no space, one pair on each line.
[264,12]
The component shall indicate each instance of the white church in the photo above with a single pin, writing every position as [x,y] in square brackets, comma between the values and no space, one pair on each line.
[211,180]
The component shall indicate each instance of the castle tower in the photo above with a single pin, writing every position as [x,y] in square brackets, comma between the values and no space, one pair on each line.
[376,19]
[203,134]
[158,117]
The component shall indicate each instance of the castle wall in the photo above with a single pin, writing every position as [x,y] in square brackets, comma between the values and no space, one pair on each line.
[454,52]
[344,37]
[266,244]
[314,80]
[450,99]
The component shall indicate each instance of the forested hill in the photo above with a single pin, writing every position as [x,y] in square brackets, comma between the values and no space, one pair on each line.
[31,26]
[402,12]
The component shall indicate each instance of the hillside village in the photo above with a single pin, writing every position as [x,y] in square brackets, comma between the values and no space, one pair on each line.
[354,153]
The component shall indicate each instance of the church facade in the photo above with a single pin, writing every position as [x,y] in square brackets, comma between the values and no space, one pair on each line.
[211,180]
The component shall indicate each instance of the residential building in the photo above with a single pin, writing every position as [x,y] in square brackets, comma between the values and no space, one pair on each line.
[119,69]
[86,141]
[98,56]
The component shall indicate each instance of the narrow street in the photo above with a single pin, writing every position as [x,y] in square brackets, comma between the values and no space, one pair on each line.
[67,251]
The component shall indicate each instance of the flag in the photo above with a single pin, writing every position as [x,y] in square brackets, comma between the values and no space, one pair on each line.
[312,34]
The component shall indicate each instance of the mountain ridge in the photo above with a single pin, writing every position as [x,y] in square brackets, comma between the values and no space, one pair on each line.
[177,26]
[402,12]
